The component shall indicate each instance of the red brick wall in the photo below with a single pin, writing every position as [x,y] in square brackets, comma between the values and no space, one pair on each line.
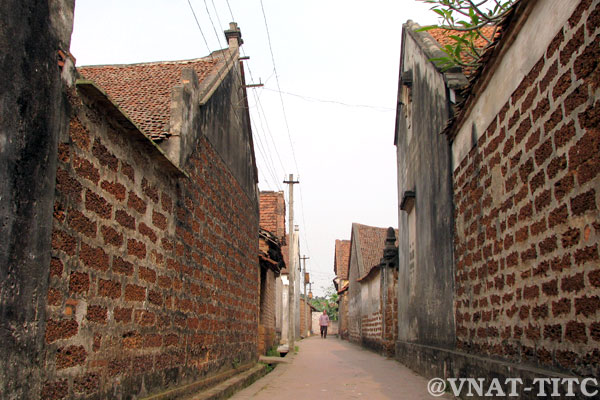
[343,315]
[305,318]
[371,327]
[390,307]
[527,217]
[154,277]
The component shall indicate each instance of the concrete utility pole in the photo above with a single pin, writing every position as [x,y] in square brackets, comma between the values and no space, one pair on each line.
[305,279]
[291,272]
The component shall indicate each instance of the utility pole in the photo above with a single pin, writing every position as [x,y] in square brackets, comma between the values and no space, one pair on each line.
[291,272]
[305,279]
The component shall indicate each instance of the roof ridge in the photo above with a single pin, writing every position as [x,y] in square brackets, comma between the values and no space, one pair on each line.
[162,62]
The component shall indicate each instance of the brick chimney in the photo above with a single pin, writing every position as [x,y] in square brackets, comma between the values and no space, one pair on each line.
[234,35]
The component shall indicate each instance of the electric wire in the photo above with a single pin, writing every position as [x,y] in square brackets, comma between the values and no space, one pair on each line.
[198,24]
[278,85]
[212,23]
[264,153]
[341,103]
[268,129]
[263,149]
[217,14]
[231,12]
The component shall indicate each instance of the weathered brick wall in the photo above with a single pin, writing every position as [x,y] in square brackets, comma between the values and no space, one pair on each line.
[527,217]
[33,115]
[354,299]
[154,276]
[343,315]
[371,327]
[305,318]
[266,328]
[390,309]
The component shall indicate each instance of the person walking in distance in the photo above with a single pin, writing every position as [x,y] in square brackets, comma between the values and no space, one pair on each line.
[324,323]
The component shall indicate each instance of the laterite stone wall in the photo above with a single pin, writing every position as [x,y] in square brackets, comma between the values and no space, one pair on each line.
[154,275]
[527,202]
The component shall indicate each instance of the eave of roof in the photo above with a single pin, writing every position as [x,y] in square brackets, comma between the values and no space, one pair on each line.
[95,93]
[478,81]
[341,259]
[370,273]
[370,244]
[143,90]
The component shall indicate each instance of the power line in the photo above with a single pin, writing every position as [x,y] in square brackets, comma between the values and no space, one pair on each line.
[198,24]
[283,109]
[314,99]
[217,15]
[268,130]
[264,153]
[212,23]
[231,12]
[262,145]
[278,86]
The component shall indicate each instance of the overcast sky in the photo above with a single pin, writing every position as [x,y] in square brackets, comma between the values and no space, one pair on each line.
[336,65]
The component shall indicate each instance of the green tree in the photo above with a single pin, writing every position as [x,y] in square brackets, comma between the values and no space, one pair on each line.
[474,25]
[327,303]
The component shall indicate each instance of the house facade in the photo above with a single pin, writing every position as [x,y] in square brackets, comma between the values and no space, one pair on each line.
[524,172]
[152,271]
[425,247]
[341,262]
[372,287]
[283,290]
[272,223]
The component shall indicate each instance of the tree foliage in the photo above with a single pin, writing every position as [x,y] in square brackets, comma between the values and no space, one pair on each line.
[474,25]
[327,302]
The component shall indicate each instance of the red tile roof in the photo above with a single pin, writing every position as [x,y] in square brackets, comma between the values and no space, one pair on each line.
[342,258]
[442,36]
[272,213]
[143,91]
[371,242]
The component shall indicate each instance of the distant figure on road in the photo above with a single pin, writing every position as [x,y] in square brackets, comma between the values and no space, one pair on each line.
[324,322]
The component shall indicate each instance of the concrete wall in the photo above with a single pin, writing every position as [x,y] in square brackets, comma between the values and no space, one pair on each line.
[370,317]
[370,293]
[285,313]
[225,123]
[33,111]
[425,288]
[315,322]
[354,297]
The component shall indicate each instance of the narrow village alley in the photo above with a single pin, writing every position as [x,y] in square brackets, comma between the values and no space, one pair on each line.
[431,196]
[337,369]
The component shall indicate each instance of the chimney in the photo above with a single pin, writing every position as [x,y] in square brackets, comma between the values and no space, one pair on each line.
[234,35]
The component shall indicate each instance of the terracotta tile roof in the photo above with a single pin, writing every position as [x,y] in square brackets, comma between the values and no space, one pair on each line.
[371,242]
[487,63]
[442,36]
[342,258]
[143,91]
[272,213]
